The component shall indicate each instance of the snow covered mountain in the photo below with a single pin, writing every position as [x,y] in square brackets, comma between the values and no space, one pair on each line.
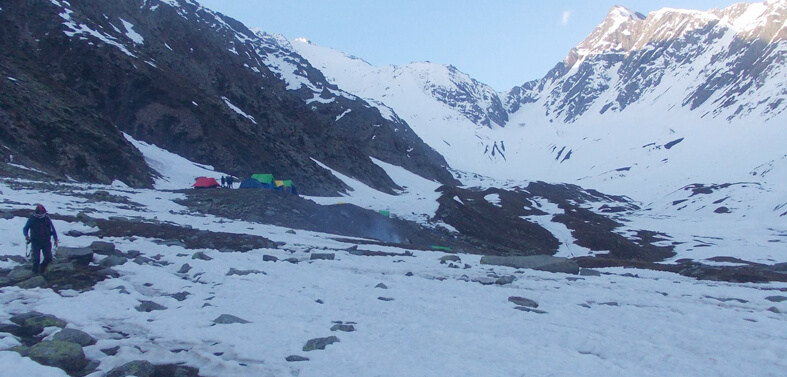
[644,106]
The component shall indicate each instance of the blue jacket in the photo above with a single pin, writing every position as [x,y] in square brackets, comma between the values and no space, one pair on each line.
[36,237]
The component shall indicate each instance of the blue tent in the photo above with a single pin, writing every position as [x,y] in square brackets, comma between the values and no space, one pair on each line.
[251,183]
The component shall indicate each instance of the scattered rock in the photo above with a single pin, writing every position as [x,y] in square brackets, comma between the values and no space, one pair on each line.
[112,261]
[180,296]
[295,358]
[201,256]
[19,274]
[185,268]
[408,274]
[385,298]
[381,286]
[233,271]
[534,262]
[79,255]
[290,231]
[319,343]
[521,301]
[529,310]
[64,355]
[450,258]
[112,351]
[149,306]
[269,258]
[341,327]
[103,248]
[140,260]
[226,319]
[138,368]
[588,272]
[75,336]
[34,282]
[776,298]
[319,301]
[323,256]
[503,280]
[292,260]
[774,309]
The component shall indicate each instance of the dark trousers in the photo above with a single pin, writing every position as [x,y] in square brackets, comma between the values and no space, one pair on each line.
[38,248]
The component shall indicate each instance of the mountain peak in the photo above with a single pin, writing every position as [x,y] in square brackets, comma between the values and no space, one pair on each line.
[615,33]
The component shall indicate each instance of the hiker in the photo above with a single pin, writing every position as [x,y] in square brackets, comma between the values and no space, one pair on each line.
[230,180]
[40,229]
[222,181]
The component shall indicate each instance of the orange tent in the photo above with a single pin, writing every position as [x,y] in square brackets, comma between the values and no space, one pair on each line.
[205,182]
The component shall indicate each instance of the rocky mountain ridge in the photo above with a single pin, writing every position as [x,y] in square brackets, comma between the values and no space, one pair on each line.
[189,80]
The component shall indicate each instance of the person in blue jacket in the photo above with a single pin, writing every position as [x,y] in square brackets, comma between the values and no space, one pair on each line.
[38,231]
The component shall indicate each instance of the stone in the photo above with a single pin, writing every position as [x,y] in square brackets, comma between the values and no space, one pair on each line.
[20,319]
[185,268]
[149,306]
[774,309]
[34,282]
[534,262]
[529,310]
[588,272]
[385,298]
[450,258]
[319,343]
[138,368]
[290,231]
[45,320]
[323,256]
[75,336]
[112,261]
[20,274]
[341,327]
[80,255]
[233,271]
[64,268]
[67,356]
[503,280]
[292,260]
[180,296]
[112,351]
[776,298]
[226,319]
[103,248]
[408,274]
[521,301]
[201,256]
[295,358]
[133,253]
[269,258]
[140,260]
[381,286]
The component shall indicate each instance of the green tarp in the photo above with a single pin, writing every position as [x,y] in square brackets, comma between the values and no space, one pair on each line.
[264,178]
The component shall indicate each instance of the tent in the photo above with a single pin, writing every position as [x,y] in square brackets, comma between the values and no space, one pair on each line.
[251,183]
[286,185]
[205,182]
[266,180]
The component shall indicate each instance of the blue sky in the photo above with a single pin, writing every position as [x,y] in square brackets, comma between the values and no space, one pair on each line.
[502,43]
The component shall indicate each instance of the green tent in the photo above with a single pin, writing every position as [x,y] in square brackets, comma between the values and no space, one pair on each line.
[265,179]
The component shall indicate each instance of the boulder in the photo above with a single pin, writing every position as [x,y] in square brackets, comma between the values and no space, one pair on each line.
[343,327]
[534,262]
[149,306]
[19,274]
[112,261]
[450,258]
[80,255]
[295,358]
[75,336]
[104,248]
[503,280]
[269,258]
[381,286]
[185,268]
[588,272]
[226,319]
[67,356]
[34,282]
[201,256]
[233,271]
[323,256]
[521,301]
[319,343]
[138,368]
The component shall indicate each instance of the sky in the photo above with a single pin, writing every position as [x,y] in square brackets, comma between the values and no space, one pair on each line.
[502,43]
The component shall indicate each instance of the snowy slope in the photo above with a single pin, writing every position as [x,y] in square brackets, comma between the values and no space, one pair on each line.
[439,321]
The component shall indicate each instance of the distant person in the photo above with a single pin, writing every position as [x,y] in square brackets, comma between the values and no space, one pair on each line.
[230,181]
[223,181]
[38,230]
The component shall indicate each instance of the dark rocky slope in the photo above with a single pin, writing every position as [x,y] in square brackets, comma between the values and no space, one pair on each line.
[76,74]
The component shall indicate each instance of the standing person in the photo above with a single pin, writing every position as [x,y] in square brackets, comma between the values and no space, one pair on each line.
[222,181]
[230,180]
[40,229]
